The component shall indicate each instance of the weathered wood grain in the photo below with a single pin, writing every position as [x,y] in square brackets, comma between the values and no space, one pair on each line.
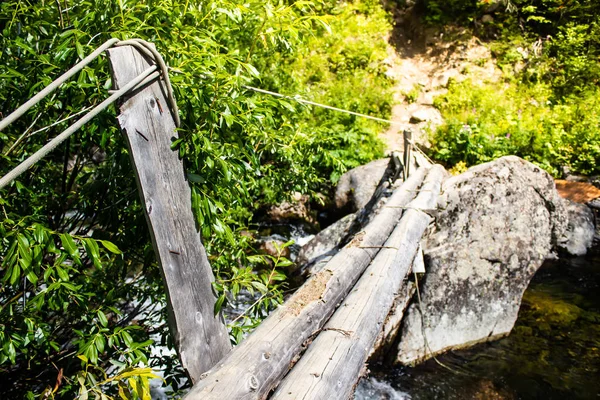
[255,366]
[385,346]
[201,338]
[407,152]
[331,366]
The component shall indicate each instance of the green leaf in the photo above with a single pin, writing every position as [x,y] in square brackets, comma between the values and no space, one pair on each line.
[24,250]
[62,274]
[70,246]
[32,277]
[15,274]
[39,233]
[284,262]
[219,304]
[102,319]
[92,251]
[12,352]
[110,246]
[80,51]
[260,287]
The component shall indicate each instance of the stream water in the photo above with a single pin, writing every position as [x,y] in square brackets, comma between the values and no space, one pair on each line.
[552,353]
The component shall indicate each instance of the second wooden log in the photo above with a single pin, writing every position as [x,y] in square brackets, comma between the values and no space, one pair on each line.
[331,366]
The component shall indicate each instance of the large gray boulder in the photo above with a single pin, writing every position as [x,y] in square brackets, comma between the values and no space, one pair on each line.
[579,235]
[357,186]
[497,223]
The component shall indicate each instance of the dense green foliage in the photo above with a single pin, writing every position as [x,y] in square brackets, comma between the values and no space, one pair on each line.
[81,295]
[546,109]
[484,122]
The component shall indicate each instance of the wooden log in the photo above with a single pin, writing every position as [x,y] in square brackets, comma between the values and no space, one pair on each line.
[200,337]
[254,367]
[385,346]
[331,366]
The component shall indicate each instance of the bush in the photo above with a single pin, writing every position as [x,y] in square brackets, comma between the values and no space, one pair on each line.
[493,120]
[82,295]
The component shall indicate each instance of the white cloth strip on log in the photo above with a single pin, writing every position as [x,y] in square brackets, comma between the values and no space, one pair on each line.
[257,365]
[418,266]
[331,366]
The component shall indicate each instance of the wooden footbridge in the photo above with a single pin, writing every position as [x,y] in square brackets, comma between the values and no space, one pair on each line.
[316,344]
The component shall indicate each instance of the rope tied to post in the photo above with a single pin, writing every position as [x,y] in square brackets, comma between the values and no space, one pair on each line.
[157,70]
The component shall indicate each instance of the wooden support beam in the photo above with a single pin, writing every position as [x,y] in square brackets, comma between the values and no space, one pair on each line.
[331,366]
[407,153]
[200,337]
[255,366]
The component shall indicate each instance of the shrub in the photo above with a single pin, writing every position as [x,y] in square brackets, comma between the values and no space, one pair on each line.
[493,120]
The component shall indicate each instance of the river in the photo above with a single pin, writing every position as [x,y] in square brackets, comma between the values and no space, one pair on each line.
[553,351]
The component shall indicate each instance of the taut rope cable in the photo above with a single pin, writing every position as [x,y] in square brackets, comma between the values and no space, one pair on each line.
[144,78]
[312,103]
[55,84]
[51,145]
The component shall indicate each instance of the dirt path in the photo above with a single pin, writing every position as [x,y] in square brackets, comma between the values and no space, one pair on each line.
[422,61]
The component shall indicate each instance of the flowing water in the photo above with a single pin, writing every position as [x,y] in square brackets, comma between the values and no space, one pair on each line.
[552,353]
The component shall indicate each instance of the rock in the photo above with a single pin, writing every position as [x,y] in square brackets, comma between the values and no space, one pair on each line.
[497,222]
[441,80]
[325,241]
[594,204]
[579,236]
[487,19]
[269,247]
[357,186]
[297,209]
[426,114]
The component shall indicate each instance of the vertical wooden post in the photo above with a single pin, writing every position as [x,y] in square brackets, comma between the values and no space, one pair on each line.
[201,337]
[407,147]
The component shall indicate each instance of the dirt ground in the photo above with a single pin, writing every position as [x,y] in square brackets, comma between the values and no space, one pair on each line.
[422,61]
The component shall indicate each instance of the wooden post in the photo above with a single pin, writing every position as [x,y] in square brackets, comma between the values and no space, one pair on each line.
[200,337]
[331,366]
[407,146]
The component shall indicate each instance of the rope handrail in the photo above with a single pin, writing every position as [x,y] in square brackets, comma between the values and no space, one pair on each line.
[328,107]
[55,84]
[158,69]
[147,75]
